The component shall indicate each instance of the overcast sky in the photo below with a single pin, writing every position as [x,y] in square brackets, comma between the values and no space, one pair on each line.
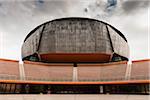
[19,17]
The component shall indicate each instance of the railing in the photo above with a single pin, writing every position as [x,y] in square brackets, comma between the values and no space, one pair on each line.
[14,77]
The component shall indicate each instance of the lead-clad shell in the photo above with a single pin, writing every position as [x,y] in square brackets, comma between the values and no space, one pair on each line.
[75,40]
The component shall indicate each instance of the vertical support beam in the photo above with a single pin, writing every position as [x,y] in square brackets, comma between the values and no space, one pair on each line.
[75,73]
[101,89]
[0,88]
[10,86]
[128,72]
[21,72]
[5,87]
[14,88]
[130,69]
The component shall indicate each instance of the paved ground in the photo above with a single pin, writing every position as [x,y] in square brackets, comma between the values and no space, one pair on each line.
[74,97]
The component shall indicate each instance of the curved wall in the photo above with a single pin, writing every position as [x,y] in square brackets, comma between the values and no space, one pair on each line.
[75,40]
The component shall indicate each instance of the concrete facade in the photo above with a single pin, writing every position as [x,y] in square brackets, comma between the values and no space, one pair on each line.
[118,71]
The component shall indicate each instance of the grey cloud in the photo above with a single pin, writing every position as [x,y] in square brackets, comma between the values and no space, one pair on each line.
[57,7]
[131,6]
[22,13]
[104,9]
[41,1]
[51,7]
[111,3]
[97,8]
[103,5]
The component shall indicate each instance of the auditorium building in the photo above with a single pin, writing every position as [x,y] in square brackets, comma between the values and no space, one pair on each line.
[75,56]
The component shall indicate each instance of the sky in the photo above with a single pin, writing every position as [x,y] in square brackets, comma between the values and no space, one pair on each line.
[19,17]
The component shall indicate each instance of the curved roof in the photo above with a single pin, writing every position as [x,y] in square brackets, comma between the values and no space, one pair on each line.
[83,18]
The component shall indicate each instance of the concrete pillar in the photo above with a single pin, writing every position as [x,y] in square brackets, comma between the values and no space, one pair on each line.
[128,72]
[21,72]
[75,74]
[101,90]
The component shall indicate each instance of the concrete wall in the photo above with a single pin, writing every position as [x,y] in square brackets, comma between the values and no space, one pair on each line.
[103,72]
[138,70]
[47,72]
[9,68]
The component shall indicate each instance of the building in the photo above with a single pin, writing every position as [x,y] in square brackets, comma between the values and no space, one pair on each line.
[75,55]
[75,40]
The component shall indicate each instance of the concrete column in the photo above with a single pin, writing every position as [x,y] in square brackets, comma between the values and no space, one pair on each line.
[75,74]
[128,72]
[21,72]
[101,90]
